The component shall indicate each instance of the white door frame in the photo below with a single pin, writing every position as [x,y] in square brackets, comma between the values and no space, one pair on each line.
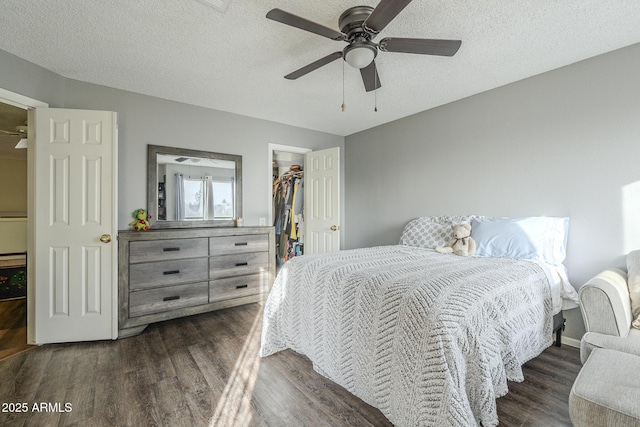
[272,148]
[20,101]
[24,102]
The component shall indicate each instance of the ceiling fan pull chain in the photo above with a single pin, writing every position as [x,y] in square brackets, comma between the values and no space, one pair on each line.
[344,107]
[375,91]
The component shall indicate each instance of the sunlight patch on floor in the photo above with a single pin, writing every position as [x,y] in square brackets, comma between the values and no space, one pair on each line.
[234,406]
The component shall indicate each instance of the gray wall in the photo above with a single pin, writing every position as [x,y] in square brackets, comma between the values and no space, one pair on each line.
[564,143]
[25,78]
[147,120]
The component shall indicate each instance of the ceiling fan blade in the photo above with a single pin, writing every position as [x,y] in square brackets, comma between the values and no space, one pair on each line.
[370,77]
[384,13]
[6,132]
[304,24]
[314,65]
[420,46]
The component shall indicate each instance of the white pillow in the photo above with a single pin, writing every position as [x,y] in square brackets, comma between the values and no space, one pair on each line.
[535,238]
[431,231]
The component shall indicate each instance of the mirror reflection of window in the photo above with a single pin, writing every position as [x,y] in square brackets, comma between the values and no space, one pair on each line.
[223,199]
[204,198]
[193,195]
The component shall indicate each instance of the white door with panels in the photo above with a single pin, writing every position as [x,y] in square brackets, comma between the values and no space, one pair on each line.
[322,201]
[72,248]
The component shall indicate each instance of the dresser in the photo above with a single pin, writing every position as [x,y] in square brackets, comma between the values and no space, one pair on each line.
[170,273]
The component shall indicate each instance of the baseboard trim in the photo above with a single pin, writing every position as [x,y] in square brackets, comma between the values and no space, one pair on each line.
[571,342]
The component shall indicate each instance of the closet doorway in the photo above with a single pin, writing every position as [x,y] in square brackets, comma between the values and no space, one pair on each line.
[287,200]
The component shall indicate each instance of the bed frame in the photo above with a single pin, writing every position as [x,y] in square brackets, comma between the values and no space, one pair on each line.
[559,323]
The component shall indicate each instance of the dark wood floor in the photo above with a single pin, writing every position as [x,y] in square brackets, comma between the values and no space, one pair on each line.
[204,371]
[13,327]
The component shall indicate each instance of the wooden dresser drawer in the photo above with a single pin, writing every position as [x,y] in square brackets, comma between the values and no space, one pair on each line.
[238,244]
[238,264]
[167,298]
[160,250]
[154,274]
[236,287]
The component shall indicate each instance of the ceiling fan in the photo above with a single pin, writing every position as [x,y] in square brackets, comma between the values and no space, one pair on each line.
[359,25]
[20,131]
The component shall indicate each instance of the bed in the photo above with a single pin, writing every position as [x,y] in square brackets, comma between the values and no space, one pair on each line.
[427,338]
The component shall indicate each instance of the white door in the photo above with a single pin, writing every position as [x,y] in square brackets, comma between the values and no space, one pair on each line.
[322,201]
[72,245]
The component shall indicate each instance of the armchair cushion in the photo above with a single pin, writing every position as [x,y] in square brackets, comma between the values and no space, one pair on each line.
[593,340]
[603,394]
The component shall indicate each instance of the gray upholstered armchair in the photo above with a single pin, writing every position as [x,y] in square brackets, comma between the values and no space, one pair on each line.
[604,393]
[605,302]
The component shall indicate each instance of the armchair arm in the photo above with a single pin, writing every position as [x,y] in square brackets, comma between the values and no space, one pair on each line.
[605,303]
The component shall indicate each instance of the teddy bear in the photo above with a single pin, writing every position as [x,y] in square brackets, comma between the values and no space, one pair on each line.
[140,223]
[461,243]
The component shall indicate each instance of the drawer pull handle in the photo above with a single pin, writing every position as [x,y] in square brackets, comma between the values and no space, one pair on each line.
[241,264]
[242,286]
[241,244]
[174,297]
[170,249]
[166,273]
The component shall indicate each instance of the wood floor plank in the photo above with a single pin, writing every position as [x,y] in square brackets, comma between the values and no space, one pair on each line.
[13,328]
[82,395]
[109,386]
[11,313]
[53,388]
[542,398]
[152,356]
[194,387]
[171,407]
[205,370]
[329,396]
[140,399]
[26,380]
[278,398]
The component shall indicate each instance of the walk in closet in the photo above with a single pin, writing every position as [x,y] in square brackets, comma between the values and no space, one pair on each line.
[288,205]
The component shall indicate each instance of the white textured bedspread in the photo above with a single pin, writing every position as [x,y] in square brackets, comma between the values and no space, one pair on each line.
[429,339]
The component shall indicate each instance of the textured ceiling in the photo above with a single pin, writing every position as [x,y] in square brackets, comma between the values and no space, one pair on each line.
[235,61]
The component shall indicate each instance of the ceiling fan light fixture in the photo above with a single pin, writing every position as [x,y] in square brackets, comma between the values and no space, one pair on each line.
[360,54]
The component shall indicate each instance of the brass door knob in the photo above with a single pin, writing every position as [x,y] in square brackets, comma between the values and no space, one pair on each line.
[335,228]
[105,238]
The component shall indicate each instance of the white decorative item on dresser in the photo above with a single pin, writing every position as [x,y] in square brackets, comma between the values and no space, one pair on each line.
[171,273]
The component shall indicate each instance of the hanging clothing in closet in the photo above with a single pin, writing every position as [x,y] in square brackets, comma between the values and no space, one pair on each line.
[288,202]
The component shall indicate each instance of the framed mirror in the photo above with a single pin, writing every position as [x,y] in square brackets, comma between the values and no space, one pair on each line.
[191,188]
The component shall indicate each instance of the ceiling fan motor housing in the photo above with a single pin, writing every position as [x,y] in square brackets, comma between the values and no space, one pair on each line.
[351,22]
[362,49]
